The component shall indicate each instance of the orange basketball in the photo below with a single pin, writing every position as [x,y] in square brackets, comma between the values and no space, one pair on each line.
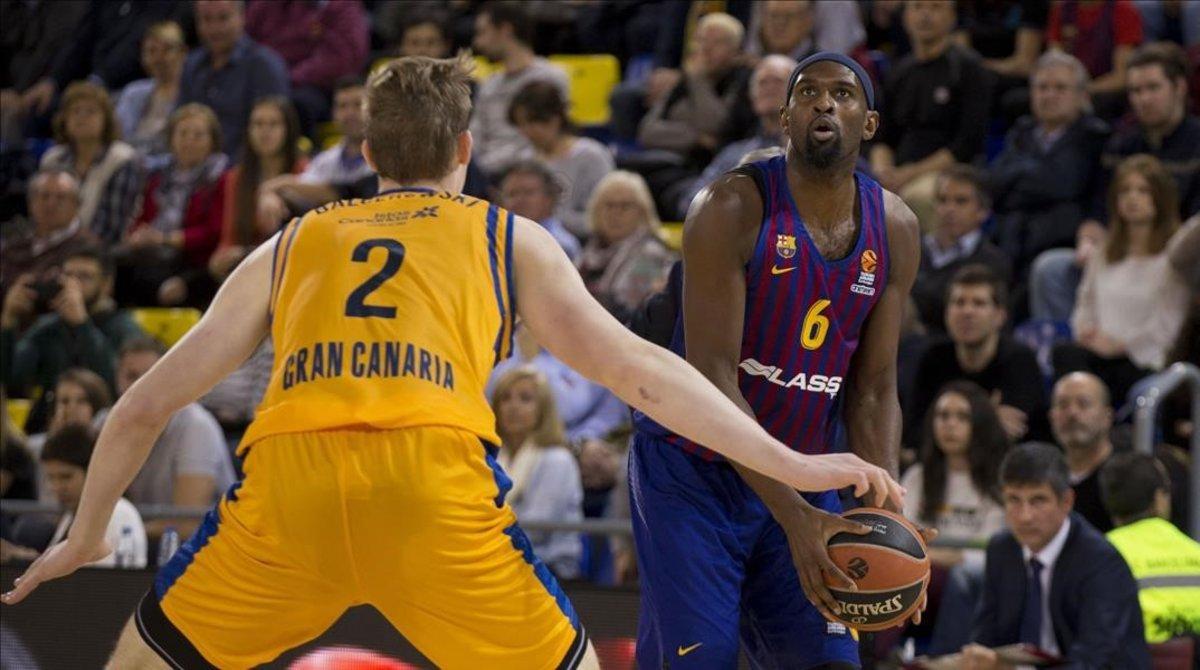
[890,566]
[347,658]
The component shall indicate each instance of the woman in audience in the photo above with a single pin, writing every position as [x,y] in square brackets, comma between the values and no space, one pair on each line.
[545,478]
[1132,301]
[271,150]
[164,258]
[624,261]
[539,112]
[109,171]
[145,105]
[955,486]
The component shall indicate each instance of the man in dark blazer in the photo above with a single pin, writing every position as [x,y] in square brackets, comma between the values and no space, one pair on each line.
[1082,605]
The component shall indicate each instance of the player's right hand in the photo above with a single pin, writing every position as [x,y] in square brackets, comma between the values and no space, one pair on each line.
[837,471]
[808,530]
[59,561]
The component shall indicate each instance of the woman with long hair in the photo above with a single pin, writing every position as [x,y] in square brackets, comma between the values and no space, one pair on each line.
[956,485]
[1132,302]
[546,485]
[272,149]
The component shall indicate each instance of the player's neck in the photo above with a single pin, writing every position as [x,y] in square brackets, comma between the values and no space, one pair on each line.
[444,184]
[824,196]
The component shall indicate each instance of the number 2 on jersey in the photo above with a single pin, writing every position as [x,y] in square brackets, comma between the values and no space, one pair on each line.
[816,326]
[356,303]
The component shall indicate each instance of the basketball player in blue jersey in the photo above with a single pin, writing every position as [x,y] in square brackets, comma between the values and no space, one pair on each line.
[796,270]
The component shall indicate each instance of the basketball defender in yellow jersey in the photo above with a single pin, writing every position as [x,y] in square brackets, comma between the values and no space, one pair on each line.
[370,470]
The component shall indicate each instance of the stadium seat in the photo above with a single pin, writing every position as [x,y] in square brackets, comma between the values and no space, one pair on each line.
[1177,654]
[592,78]
[672,234]
[18,410]
[166,324]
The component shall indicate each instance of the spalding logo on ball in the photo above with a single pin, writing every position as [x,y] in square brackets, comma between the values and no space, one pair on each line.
[890,566]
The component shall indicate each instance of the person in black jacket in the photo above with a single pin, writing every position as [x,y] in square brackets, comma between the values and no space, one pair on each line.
[962,205]
[1052,580]
[1043,179]
[977,350]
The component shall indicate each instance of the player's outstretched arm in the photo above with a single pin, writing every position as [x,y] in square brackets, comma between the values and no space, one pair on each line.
[230,331]
[574,327]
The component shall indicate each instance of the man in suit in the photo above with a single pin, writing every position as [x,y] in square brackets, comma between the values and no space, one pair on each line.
[1052,580]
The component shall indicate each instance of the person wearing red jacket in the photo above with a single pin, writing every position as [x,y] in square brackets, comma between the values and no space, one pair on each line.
[164,257]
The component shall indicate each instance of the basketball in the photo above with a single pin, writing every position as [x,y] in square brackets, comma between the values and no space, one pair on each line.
[347,658]
[890,565]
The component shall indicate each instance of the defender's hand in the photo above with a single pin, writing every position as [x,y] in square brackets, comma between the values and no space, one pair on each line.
[59,561]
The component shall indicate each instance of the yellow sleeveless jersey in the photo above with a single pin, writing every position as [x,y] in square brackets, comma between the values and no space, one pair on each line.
[389,313]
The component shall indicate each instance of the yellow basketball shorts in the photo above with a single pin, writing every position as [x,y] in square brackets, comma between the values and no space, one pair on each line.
[410,521]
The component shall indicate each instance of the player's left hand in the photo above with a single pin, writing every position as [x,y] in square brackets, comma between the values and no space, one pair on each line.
[59,561]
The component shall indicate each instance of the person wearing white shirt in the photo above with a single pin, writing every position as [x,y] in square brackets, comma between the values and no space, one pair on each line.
[65,459]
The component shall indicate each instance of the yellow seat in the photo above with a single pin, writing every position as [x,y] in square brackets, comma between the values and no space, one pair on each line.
[18,410]
[166,324]
[672,234]
[592,78]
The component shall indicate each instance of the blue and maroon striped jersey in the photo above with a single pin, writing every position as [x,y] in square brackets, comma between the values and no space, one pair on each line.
[804,316]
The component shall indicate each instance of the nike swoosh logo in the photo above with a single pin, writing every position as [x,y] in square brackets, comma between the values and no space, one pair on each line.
[684,651]
[776,270]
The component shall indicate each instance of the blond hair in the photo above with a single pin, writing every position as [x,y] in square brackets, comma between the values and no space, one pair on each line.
[549,430]
[641,193]
[199,110]
[726,22]
[416,109]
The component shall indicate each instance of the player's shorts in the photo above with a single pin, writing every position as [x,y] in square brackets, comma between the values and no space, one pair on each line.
[410,521]
[716,570]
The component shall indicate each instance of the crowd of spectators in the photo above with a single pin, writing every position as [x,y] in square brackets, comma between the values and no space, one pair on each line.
[1051,152]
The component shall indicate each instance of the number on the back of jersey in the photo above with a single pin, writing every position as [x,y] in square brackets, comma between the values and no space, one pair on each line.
[356,303]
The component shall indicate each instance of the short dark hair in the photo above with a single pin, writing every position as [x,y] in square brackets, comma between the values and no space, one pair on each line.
[94,252]
[514,14]
[1167,55]
[141,344]
[1128,483]
[348,81]
[542,101]
[73,444]
[1035,463]
[538,169]
[969,174]
[978,274]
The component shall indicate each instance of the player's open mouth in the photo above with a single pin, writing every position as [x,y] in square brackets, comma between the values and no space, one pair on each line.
[823,130]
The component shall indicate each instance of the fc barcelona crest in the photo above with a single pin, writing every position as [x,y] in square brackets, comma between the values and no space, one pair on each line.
[785,245]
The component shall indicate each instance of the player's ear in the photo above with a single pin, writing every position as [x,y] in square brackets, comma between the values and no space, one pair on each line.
[871,126]
[783,119]
[366,153]
[465,144]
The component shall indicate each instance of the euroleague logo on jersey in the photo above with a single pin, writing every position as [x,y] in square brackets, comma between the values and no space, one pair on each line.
[865,284]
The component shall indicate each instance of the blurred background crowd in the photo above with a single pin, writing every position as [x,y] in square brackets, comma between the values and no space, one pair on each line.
[1050,150]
